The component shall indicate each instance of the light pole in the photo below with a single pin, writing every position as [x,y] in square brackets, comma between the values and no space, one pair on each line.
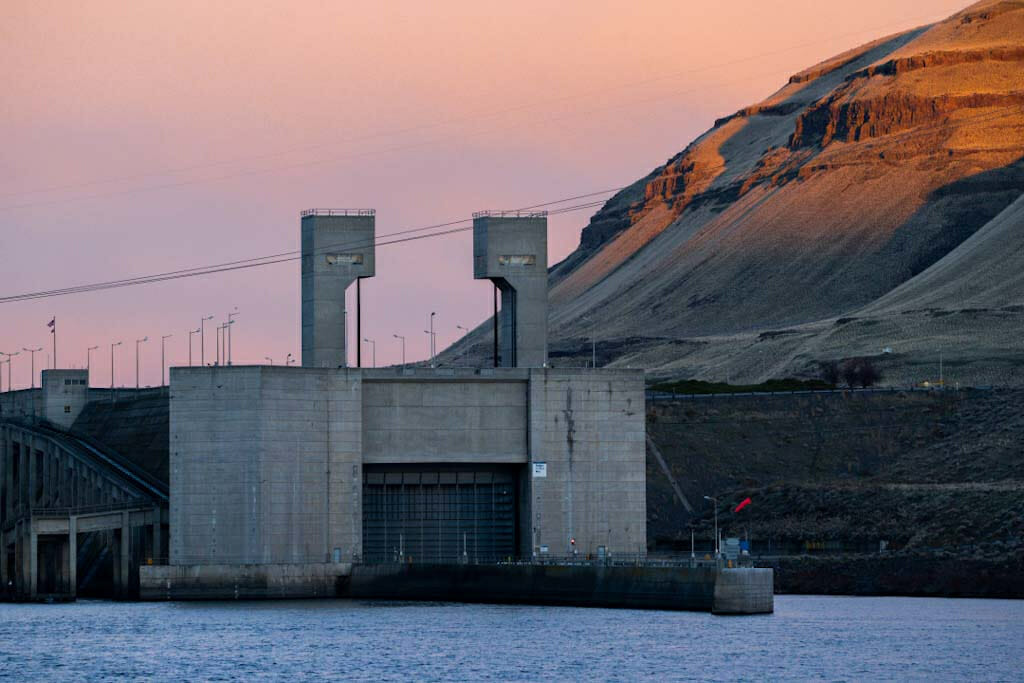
[714,501]
[190,333]
[163,363]
[398,336]
[33,352]
[202,339]
[593,341]
[10,386]
[88,358]
[112,366]
[231,322]
[221,334]
[288,360]
[268,358]
[373,346]
[433,349]
[137,342]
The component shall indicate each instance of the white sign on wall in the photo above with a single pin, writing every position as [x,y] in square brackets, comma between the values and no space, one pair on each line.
[540,470]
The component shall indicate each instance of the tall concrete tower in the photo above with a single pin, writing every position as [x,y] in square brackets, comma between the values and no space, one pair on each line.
[510,248]
[337,250]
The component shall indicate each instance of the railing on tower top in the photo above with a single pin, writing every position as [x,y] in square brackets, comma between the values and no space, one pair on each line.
[510,214]
[337,212]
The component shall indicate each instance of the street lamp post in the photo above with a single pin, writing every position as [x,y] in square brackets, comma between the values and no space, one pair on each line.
[190,333]
[10,385]
[202,339]
[33,352]
[221,342]
[231,322]
[373,346]
[269,359]
[288,360]
[398,336]
[112,365]
[714,501]
[163,362]
[433,349]
[88,358]
[137,342]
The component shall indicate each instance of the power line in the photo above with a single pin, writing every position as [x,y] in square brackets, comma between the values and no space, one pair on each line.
[284,257]
[291,255]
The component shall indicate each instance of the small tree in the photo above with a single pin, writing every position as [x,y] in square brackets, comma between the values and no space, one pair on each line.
[869,374]
[850,372]
[860,371]
[828,370]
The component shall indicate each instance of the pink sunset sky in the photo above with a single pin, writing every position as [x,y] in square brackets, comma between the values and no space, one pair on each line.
[144,137]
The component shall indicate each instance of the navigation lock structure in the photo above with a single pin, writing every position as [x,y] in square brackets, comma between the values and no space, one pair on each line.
[515,482]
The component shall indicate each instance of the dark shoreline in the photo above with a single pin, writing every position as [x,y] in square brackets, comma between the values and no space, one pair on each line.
[899,576]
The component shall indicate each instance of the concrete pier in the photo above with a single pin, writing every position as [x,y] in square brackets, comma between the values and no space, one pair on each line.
[700,588]
[744,590]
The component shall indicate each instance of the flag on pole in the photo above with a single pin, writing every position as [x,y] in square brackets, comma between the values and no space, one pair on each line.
[742,505]
[52,323]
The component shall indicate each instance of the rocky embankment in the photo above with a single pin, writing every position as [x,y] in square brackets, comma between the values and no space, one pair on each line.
[914,493]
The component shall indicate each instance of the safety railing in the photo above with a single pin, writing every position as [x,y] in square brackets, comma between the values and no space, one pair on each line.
[510,214]
[337,212]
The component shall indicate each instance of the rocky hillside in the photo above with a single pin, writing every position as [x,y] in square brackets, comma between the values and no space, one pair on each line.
[937,476]
[809,226]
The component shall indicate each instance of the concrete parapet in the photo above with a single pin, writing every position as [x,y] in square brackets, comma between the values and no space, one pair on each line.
[746,590]
[243,581]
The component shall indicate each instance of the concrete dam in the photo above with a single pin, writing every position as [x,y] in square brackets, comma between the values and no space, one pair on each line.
[516,482]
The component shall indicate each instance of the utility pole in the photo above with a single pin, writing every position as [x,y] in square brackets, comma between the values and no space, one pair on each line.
[398,336]
[10,384]
[137,342]
[433,348]
[88,358]
[714,501]
[190,333]
[202,339]
[112,367]
[231,322]
[33,352]
[220,329]
[374,347]
[163,362]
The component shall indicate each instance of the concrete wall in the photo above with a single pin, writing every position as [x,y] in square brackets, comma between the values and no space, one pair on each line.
[242,582]
[470,420]
[60,399]
[666,588]
[65,393]
[587,428]
[21,403]
[265,464]
[747,590]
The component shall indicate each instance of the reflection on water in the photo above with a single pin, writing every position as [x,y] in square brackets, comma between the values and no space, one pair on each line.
[807,637]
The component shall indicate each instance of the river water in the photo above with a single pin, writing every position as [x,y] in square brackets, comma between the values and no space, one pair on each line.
[808,637]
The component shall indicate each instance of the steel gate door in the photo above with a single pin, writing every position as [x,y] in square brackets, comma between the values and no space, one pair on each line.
[450,515]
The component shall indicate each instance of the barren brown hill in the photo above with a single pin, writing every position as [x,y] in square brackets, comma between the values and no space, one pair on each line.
[765,245]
